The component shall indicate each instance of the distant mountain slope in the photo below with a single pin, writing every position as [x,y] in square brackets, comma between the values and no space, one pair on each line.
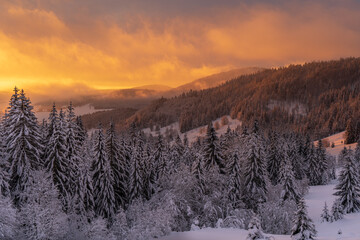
[212,80]
[140,97]
[217,79]
[323,96]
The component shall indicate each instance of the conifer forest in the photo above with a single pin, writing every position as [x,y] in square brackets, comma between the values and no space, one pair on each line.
[59,182]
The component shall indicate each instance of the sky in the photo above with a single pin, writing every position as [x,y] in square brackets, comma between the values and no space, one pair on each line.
[57,45]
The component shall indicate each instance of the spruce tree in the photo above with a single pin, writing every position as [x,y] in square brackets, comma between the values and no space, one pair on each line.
[23,144]
[81,134]
[118,165]
[234,173]
[197,171]
[254,228]
[4,167]
[212,152]
[325,216]
[348,188]
[322,162]
[273,159]
[72,146]
[177,153]
[84,199]
[287,181]
[52,121]
[254,171]
[136,171]
[303,228]
[313,171]
[158,160]
[41,216]
[103,179]
[357,154]
[56,163]
[292,151]
[337,211]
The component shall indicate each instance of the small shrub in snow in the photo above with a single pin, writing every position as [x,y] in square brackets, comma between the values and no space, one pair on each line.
[8,221]
[325,216]
[255,232]
[276,218]
[303,228]
[337,211]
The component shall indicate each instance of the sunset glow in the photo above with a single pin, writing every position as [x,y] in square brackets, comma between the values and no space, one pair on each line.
[122,44]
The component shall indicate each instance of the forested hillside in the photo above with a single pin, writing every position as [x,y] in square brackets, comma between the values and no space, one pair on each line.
[318,98]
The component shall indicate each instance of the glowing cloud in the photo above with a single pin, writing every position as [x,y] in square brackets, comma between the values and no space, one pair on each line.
[117,44]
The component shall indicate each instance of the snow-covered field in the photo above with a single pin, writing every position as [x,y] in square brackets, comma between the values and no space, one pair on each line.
[81,110]
[315,200]
[338,140]
[193,134]
[349,226]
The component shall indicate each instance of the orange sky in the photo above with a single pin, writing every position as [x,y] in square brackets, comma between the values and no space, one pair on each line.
[57,44]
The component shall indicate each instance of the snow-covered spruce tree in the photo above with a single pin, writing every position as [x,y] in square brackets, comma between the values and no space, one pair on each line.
[4,175]
[41,217]
[325,215]
[149,184]
[254,228]
[273,158]
[4,167]
[212,153]
[305,150]
[337,211]
[23,149]
[72,146]
[177,153]
[322,162]
[136,172]
[56,163]
[81,134]
[52,122]
[348,188]
[234,172]
[8,220]
[159,160]
[84,199]
[357,154]
[255,188]
[287,181]
[341,156]
[125,148]
[197,170]
[118,165]
[313,171]
[292,151]
[304,228]
[103,179]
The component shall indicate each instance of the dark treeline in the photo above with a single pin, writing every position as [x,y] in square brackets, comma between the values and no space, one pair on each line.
[58,183]
[317,98]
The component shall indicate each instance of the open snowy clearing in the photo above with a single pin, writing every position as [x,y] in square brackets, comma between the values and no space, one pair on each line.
[193,134]
[338,140]
[315,200]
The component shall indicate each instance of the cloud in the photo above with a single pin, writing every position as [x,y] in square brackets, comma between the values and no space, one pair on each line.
[120,44]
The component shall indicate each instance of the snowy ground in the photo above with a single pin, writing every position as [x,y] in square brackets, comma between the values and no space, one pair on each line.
[82,110]
[197,132]
[315,200]
[338,140]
